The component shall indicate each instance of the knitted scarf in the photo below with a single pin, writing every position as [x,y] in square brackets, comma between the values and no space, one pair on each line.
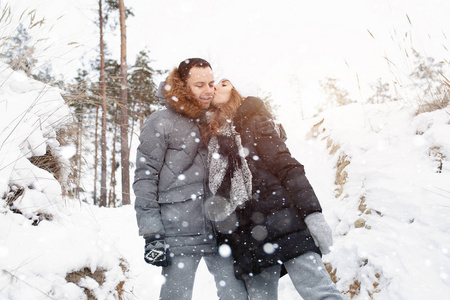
[230,179]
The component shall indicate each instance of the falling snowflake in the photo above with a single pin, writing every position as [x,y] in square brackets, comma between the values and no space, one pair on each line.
[244,152]
[225,250]
[268,248]
[181,177]
[259,232]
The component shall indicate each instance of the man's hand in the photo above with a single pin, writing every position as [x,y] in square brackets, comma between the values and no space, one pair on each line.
[320,231]
[156,253]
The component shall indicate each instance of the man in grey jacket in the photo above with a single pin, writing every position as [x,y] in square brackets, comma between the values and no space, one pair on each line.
[171,187]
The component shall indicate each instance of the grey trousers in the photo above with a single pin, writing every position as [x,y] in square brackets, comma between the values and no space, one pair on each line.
[307,273]
[180,275]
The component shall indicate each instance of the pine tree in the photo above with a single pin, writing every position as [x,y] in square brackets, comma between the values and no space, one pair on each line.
[143,89]
[20,54]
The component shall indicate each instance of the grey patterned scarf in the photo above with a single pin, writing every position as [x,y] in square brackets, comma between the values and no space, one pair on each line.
[230,179]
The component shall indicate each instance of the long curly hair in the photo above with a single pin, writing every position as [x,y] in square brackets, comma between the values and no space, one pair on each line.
[221,115]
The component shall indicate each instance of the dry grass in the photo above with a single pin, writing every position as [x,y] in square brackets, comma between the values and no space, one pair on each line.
[48,162]
[417,78]
[341,174]
[354,289]
[16,193]
[432,105]
[76,276]
[331,271]
[436,155]
[99,276]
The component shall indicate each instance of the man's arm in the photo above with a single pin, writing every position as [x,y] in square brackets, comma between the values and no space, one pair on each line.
[149,161]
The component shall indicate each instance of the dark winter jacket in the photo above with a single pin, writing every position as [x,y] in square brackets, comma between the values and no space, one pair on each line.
[271,225]
[171,173]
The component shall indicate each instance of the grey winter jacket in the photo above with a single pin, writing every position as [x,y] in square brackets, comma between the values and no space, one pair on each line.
[170,179]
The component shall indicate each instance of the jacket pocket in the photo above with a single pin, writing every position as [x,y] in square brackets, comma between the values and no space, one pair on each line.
[183,218]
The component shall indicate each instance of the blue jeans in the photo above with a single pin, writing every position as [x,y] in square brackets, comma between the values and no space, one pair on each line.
[307,273]
[180,275]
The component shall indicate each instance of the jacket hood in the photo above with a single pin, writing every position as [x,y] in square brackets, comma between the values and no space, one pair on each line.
[172,93]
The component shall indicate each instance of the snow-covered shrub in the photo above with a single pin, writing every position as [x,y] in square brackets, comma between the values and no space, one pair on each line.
[31,159]
[40,261]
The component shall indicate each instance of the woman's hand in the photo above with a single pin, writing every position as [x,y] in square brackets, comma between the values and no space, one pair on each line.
[320,231]
[267,127]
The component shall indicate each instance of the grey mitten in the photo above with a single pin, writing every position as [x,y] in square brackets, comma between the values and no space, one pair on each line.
[156,253]
[320,231]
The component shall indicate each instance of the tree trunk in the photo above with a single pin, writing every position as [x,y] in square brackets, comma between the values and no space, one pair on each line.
[96,155]
[112,189]
[80,149]
[141,113]
[133,121]
[103,87]
[77,157]
[124,151]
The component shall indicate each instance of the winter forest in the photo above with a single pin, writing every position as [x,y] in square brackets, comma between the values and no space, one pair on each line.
[375,143]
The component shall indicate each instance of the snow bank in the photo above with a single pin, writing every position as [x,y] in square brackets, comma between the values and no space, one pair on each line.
[49,246]
[386,193]
[30,115]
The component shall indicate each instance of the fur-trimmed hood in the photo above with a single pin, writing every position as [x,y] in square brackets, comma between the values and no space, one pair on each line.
[172,93]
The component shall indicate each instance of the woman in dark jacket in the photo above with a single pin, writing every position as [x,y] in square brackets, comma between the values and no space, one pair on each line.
[279,220]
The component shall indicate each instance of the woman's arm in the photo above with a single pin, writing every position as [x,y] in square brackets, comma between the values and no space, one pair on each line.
[274,153]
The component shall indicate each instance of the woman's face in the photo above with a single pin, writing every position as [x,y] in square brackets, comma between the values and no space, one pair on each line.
[222,92]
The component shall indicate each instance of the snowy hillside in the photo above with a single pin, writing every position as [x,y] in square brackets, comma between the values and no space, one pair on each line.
[381,173]
[383,177]
[47,242]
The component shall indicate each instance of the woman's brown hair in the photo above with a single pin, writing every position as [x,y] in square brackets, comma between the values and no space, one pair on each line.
[222,115]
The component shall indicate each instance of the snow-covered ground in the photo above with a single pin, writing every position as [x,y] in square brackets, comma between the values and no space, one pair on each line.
[381,173]
[390,207]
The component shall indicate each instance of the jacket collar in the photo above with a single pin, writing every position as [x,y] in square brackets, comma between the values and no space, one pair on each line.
[173,94]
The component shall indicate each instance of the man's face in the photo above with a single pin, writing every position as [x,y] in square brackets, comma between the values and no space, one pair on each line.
[201,85]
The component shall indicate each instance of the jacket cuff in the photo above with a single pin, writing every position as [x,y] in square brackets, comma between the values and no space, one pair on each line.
[151,238]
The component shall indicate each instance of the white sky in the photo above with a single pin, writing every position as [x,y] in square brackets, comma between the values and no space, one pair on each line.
[285,47]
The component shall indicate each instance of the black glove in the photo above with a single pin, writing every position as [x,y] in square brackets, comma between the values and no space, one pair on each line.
[267,127]
[156,253]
